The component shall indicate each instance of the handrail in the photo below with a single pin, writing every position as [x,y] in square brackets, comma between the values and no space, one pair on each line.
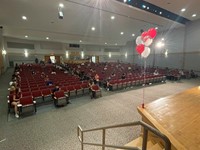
[146,127]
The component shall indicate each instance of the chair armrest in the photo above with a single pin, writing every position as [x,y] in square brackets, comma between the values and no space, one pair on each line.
[19,105]
[34,102]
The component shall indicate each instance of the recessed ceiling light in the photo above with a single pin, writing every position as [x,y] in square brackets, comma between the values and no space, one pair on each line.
[47,38]
[122,33]
[125,1]
[160,12]
[156,28]
[133,34]
[26,36]
[24,17]
[112,17]
[80,41]
[106,43]
[147,7]
[183,9]
[93,28]
[162,39]
[115,43]
[61,5]
[194,15]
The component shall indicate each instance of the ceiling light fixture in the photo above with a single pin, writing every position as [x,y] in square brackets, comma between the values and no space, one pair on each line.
[183,9]
[112,17]
[147,7]
[125,1]
[4,52]
[80,41]
[24,17]
[115,43]
[93,28]
[60,14]
[61,5]
[106,43]
[194,15]
[60,11]
[26,36]
[156,28]
[133,34]
[47,38]
[122,33]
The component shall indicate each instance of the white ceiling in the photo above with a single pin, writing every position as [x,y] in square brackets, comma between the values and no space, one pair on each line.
[81,15]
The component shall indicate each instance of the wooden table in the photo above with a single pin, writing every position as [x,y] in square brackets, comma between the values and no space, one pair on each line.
[178,117]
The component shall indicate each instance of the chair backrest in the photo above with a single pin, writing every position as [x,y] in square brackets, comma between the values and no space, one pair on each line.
[84,85]
[25,89]
[34,88]
[26,94]
[26,100]
[70,88]
[59,94]
[36,93]
[46,92]
[77,87]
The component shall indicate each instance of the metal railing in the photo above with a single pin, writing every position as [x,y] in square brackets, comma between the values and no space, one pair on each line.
[146,128]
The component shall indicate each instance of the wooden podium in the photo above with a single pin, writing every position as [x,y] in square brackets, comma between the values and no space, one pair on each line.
[178,117]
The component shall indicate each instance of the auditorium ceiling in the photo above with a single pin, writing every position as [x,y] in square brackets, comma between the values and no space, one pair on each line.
[101,22]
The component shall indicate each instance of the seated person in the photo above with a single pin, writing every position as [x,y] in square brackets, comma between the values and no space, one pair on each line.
[123,76]
[49,82]
[155,72]
[193,75]
[16,97]
[55,89]
[96,79]
[53,72]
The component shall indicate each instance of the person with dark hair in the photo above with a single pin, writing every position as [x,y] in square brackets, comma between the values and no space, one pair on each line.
[57,88]
[123,76]
[36,60]
[96,77]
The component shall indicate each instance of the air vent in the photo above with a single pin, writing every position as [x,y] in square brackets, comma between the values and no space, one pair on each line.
[74,45]
[20,45]
[111,50]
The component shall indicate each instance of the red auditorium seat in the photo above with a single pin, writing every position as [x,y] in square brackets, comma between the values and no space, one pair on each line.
[26,105]
[60,98]
[96,91]
[72,90]
[85,87]
[26,94]
[66,91]
[37,96]
[25,89]
[46,93]
[79,89]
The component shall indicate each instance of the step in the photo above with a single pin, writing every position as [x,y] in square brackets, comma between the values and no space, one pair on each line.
[150,144]
[156,147]
[136,143]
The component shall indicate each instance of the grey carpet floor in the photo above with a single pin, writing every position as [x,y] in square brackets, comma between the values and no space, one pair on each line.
[56,128]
